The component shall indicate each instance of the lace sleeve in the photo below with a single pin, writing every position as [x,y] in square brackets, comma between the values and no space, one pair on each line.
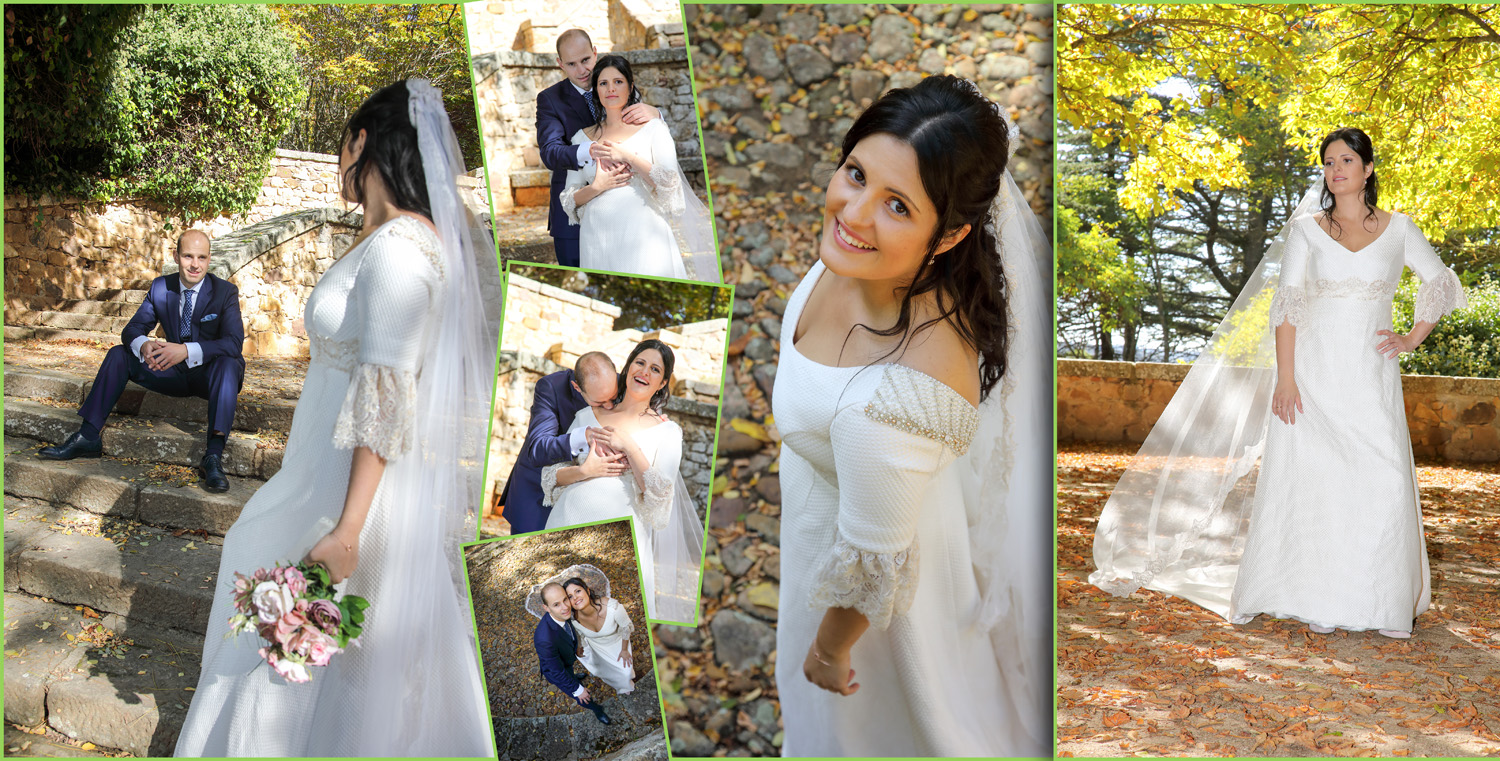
[667,193]
[887,453]
[568,197]
[1289,305]
[392,300]
[655,504]
[1441,292]
[377,411]
[550,490]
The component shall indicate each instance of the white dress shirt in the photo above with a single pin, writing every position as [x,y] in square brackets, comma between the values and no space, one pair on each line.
[195,352]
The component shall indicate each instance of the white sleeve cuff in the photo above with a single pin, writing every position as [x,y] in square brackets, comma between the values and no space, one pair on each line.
[578,442]
[578,691]
[195,354]
[135,347]
[584,159]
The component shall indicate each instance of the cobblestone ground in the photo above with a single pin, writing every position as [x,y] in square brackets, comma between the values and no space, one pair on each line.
[778,87]
[1151,674]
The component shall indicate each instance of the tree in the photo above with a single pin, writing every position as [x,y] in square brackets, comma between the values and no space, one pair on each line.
[645,304]
[347,52]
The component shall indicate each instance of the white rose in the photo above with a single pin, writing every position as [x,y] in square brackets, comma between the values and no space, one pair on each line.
[271,601]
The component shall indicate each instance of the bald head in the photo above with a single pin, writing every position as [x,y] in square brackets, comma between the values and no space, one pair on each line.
[192,257]
[596,378]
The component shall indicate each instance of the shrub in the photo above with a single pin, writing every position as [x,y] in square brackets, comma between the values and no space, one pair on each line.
[181,105]
[1465,343]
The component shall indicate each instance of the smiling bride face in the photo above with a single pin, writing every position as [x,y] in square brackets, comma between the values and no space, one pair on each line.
[578,595]
[647,375]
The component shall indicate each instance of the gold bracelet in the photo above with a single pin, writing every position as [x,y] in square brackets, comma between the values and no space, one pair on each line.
[818,656]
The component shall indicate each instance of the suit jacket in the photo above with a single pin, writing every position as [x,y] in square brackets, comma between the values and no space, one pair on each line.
[554,649]
[217,327]
[554,404]
[560,112]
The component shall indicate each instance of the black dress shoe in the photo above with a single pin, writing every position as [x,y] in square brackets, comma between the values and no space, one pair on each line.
[212,469]
[75,446]
[600,714]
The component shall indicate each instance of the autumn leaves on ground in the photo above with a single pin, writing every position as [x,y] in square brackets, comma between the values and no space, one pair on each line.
[1156,675]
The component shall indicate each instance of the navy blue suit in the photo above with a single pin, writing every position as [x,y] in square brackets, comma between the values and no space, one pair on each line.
[560,113]
[556,650]
[554,404]
[217,329]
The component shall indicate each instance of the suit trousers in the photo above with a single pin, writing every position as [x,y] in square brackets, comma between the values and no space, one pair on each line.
[218,380]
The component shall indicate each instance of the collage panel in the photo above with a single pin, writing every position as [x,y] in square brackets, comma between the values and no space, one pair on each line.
[1277,378]
[560,621]
[878,562]
[606,406]
[251,312]
[600,177]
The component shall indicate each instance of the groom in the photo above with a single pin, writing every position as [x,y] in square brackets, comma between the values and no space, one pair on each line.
[200,314]
[557,648]
[562,110]
[556,400]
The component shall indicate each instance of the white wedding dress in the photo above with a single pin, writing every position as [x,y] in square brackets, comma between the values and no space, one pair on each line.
[603,498]
[601,649]
[868,478]
[627,229]
[366,319]
[1335,530]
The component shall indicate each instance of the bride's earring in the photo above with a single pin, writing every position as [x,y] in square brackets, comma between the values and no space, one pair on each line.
[932,260]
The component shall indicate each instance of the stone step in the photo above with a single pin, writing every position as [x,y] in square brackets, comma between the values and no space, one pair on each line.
[24,333]
[107,486]
[77,674]
[69,320]
[141,573]
[124,307]
[149,439]
[580,735]
[250,415]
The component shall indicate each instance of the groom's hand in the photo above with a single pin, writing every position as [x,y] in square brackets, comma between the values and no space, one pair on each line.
[599,436]
[583,696]
[601,464]
[160,355]
[640,113]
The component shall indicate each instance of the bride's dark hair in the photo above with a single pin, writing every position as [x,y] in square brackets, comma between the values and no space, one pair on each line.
[1356,139]
[962,145]
[658,403]
[593,600]
[391,147]
[620,64]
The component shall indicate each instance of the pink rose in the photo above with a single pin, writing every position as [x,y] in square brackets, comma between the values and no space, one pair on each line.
[289,623]
[325,615]
[271,601]
[295,582]
[290,669]
[320,647]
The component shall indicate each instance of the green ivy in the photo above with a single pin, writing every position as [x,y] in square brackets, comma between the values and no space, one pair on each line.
[1465,343]
[180,105]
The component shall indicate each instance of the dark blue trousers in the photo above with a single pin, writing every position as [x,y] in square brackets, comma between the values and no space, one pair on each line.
[566,250]
[218,380]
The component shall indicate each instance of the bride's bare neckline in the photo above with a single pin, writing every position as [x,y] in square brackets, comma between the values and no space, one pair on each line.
[645,416]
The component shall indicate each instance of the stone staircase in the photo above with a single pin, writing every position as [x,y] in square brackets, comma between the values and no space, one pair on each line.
[98,319]
[579,736]
[111,564]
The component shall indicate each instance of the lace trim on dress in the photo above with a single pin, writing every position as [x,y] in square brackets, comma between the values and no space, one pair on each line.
[570,205]
[378,411]
[550,490]
[877,585]
[425,240]
[340,354]
[920,404]
[1289,305]
[668,191]
[655,504]
[1438,297]
[1354,288]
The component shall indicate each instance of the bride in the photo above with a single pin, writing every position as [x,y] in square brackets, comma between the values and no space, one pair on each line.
[604,630]
[913,399]
[635,472]
[1328,531]
[380,479]
[634,197]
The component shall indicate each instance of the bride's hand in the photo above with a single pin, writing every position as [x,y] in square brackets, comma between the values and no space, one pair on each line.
[600,463]
[1395,343]
[609,179]
[1286,402]
[625,659]
[336,555]
[618,440]
[831,671]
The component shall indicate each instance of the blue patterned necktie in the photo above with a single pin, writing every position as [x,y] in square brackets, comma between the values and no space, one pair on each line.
[588,98]
[187,316]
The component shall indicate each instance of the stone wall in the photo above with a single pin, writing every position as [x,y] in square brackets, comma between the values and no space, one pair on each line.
[514,386]
[506,84]
[534,25]
[1449,418]
[646,24]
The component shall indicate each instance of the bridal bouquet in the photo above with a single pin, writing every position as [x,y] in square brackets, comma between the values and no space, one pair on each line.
[293,608]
